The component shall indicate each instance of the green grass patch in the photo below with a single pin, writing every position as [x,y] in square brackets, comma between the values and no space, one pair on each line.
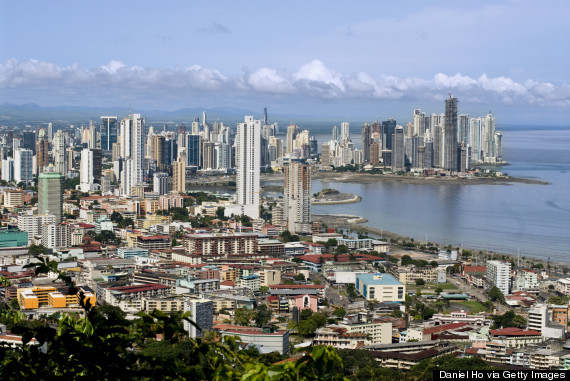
[473,306]
[443,286]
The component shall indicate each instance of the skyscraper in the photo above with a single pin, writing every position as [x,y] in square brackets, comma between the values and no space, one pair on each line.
[59,159]
[366,134]
[50,195]
[194,150]
[42,154]
[108,131]
[247,166]
[398,151]
[160,183]
[388,128]
[86,173]
[23,165]
[179,172]
[344,132]
[450,162]
[292,132]
[297,197]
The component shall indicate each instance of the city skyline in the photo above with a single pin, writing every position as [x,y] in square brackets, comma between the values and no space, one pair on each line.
[368,60]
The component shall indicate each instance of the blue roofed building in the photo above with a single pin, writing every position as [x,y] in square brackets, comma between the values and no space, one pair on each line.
[381,287]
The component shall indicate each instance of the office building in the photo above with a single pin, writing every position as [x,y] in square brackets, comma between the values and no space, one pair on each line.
[292,132]
[450,162]
[380,287]
[202,313]
[23,165]
[499,274]
[248,167]
[50,195]
[87,171]
[108,132]
[366,141]
[388,129]
[194,151]
[297,197]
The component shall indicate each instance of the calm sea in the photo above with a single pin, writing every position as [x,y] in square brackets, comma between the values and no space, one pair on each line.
[534,219]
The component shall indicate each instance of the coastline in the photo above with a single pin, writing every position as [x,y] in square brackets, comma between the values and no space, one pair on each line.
[357,224]
[369,178]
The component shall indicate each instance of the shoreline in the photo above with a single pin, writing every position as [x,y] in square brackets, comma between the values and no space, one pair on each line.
[349,198]
[368,178]
[357,224]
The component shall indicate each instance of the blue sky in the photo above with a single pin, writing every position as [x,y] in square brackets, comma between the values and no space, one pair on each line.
[359,59]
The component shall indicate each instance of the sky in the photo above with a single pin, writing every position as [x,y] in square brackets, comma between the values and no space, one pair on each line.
[361,59]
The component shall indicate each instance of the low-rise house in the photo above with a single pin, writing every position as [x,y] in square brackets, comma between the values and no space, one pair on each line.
[339,338]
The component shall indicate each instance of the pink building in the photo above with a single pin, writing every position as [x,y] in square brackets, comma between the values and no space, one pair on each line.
[306,301]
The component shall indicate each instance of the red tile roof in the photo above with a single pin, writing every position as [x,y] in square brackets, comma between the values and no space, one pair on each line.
[444,327]
[513,331]
[474,269]
[296,286]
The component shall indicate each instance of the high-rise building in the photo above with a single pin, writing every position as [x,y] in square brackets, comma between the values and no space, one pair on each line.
[8,169]
[56,235]
[292,132]
[160,183]
[247,166]
[344,132]
[366,141]
[50,195]
[463,132]
[335,133]
[179,172]
[42,154]
[297,197]
[59,159]
[194,150]
[202,312]
[388,129]
[450,162]
[398,150]
[499,274]
[87,171]
[132,150]
[108,132]
[23,165]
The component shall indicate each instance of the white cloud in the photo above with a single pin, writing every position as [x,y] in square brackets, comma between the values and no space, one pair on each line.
[312,80]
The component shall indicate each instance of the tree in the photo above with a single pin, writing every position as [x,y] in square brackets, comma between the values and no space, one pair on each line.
[339,312]
[433,264]
[243,316]
[262,315]
[341,249]
[285,236]
[351,291]
[37,249]
[300,277]
[220,212]
[305,314]
[439,290]
[406,260]
[495,294]
[420,282]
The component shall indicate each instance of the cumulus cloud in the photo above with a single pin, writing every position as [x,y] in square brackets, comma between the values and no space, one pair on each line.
[312,80]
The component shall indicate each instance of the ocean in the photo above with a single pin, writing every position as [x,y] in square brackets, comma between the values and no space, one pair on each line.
[530,218]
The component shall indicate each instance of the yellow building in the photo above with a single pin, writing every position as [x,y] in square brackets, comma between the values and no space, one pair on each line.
[37,297]
[57,300]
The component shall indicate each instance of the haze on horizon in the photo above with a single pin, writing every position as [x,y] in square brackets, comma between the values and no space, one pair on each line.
[362,60]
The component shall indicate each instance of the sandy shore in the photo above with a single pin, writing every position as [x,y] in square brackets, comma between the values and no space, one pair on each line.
[341,198]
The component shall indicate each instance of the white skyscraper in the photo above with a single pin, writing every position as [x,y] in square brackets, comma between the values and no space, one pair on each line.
[8,169]
[23,165]
[86,174]
[59,161]
[344,132]
[132,148]
[247,166]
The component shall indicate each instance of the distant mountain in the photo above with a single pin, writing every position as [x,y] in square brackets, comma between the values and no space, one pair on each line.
[33,113]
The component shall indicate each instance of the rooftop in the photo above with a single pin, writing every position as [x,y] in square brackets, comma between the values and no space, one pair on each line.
[379,279]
